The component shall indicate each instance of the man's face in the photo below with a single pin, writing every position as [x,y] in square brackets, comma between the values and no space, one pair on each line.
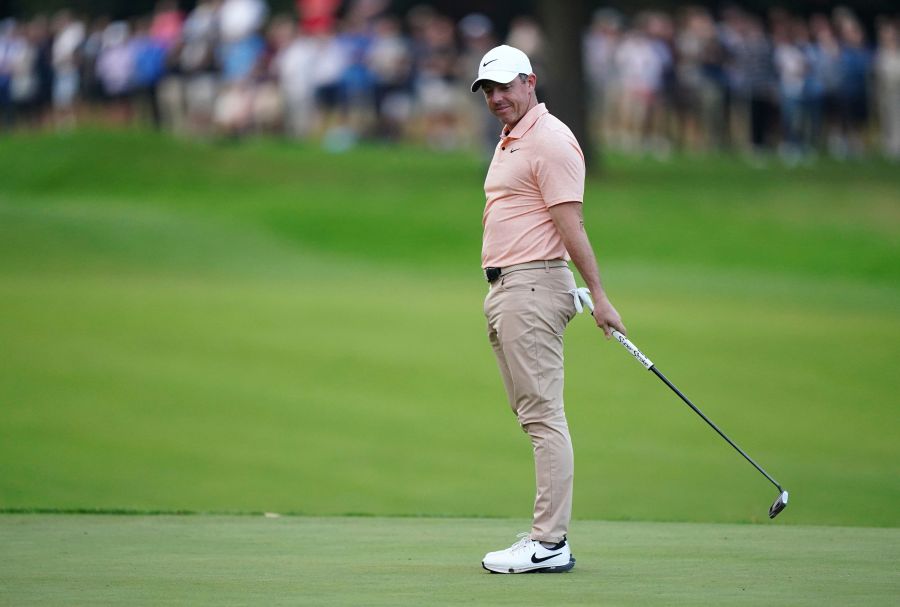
[509,102]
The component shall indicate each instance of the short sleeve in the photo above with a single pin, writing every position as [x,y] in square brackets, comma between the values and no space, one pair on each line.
[559,168]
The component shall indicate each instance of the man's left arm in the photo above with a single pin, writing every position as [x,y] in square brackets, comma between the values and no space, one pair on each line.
[569,220]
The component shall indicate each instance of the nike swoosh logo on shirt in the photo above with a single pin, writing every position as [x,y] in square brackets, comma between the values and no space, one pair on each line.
[535,559]
[486,62]
[515,150]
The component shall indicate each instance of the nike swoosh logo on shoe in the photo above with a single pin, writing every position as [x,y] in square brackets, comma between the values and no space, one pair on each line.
[535,559]
[486,62]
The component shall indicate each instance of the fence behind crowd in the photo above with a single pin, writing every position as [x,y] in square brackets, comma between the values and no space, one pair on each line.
[693,81]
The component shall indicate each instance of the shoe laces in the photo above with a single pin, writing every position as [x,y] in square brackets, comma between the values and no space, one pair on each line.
[521,543]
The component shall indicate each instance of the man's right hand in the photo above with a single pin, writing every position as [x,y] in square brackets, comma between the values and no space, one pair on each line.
[606,316]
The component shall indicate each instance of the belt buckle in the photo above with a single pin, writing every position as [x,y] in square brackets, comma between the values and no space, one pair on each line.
[492,274]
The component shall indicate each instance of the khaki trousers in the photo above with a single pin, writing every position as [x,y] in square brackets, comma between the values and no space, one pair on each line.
[527,312]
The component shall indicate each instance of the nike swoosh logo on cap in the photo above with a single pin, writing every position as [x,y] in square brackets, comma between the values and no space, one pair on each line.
[486,62]
[534,558]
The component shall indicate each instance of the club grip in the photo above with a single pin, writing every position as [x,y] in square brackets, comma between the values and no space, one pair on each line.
[583,295]
[632,349]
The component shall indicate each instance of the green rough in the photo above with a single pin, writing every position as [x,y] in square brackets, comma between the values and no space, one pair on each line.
[202,327]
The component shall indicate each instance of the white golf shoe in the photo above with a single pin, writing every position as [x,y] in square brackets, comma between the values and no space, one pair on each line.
[530,556]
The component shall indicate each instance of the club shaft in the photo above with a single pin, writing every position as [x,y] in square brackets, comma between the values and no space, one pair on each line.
[713,426]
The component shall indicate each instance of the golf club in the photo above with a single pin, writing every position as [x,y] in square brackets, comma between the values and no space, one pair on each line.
[584,295]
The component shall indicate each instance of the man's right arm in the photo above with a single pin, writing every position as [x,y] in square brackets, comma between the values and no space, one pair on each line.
[569,220]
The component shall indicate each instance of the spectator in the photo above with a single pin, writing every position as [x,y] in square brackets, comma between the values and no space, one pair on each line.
[331,61]
[390,62]
[149,56]
[241,45]
[31,71]
[853,96]
[7,42]
[357,81]
[239,54]
[701,80]
[813,89]
[642,62]
[661,31]
[91,88]
[791,67]
[115,66]
[66,53]
[43,41]
[756,78]
[827,69]
[167,32]
[437,85]
[601,45]
[198,67]
[294,64]
[267,103]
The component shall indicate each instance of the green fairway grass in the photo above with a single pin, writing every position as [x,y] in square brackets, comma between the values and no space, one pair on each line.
[265,327]
[214,560]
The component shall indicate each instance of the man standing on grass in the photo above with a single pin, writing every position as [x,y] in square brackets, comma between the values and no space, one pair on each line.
[533,224]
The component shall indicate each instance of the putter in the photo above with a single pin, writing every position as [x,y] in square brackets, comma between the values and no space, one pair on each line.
[584,295]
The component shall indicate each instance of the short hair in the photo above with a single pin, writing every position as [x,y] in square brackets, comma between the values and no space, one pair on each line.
[523,77]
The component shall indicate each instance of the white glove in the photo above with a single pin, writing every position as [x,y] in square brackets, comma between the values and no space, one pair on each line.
[582,294]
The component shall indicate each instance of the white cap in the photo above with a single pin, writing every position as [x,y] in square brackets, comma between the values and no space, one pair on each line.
[502,64]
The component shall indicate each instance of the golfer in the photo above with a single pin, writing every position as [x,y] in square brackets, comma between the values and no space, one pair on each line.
[533,225]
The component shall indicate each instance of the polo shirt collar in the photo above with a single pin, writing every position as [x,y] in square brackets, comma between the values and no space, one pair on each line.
[526,122]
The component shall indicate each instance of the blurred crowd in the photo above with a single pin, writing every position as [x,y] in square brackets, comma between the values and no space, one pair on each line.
[801,86]
[340,71]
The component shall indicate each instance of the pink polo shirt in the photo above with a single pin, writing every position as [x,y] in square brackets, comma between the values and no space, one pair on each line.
[535,166]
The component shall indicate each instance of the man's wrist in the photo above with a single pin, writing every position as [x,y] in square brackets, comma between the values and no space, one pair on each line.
[598,294]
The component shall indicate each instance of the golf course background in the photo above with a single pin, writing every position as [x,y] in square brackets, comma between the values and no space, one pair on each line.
[209,327]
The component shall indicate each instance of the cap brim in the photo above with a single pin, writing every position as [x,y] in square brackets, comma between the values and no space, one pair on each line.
[500,76]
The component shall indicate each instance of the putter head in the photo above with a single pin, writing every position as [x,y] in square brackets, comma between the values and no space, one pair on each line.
[779,505]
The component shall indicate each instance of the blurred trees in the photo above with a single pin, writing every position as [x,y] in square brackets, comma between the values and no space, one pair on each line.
[565,87]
